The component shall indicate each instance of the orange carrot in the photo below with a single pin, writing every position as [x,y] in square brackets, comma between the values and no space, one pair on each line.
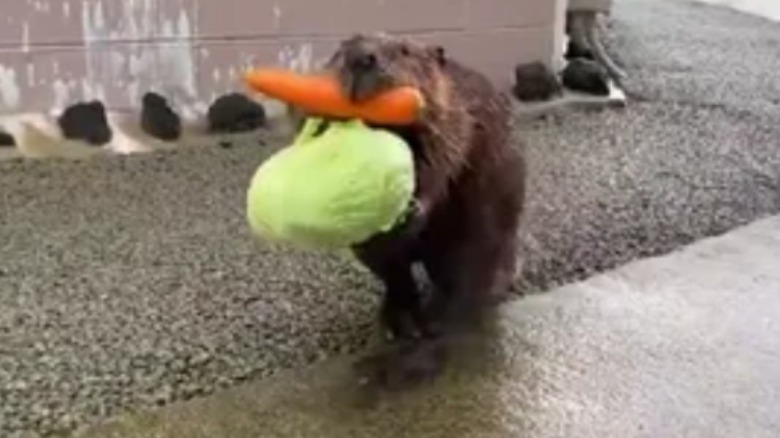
[321,95]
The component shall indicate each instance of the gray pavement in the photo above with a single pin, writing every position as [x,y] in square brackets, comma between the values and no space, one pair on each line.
[764,8]
[133,282]
[688,52]
[686,345]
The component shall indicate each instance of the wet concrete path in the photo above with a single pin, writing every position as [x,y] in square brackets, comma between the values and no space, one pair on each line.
[683,345]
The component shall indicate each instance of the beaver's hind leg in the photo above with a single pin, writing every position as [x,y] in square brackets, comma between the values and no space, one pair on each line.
[412,354]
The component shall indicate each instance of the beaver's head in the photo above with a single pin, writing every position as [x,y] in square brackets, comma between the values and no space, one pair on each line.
[369,64]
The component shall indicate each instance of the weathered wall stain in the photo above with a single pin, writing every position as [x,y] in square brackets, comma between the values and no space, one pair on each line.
[9,88]
[119,53]
[56,52]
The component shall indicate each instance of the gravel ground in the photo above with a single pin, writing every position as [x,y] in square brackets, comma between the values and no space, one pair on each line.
[130,282]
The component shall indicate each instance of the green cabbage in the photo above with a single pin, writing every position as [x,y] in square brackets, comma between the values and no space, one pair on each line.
[332,190]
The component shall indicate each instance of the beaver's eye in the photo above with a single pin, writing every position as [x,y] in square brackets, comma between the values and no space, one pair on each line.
[363,62]
[369,60]
[404,50]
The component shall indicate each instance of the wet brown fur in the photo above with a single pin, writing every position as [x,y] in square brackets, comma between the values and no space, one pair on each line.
[470,185]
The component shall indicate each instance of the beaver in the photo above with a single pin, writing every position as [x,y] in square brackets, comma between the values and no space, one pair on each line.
[463,224]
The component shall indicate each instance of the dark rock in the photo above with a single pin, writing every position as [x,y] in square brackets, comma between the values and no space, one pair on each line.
[7,140]
[86,121]
[535,82]
[578,51]
[234,113]
[586,76]
[158,119]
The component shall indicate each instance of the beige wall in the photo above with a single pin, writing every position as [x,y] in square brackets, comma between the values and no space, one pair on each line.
[55,52]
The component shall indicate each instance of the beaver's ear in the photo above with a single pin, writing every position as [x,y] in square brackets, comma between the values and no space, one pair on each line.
[439,54]
[405,50]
